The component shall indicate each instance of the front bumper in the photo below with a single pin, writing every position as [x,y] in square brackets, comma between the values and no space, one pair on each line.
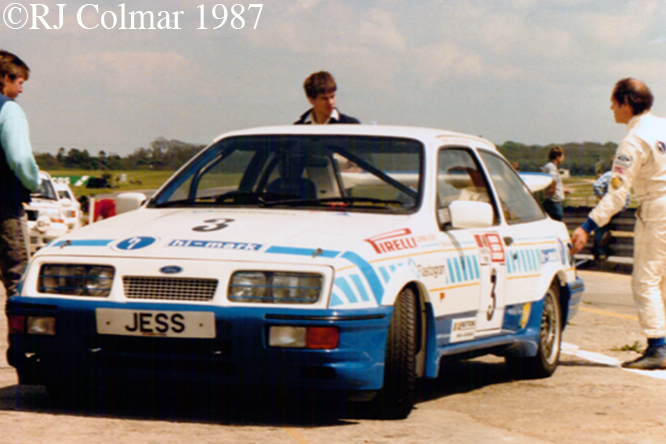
[238,355]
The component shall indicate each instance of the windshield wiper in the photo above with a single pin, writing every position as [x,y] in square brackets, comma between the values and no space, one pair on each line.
[173,203]
[230,198]
[343,201]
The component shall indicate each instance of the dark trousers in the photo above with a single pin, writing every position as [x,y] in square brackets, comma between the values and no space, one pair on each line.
[13,248]
[554,209]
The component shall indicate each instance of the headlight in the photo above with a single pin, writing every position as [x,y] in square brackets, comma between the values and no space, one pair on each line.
[275,287]
[54,214]
[77,280]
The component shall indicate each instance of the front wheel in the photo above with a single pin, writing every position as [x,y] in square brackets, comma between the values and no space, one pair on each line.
[545,362]
[396,398]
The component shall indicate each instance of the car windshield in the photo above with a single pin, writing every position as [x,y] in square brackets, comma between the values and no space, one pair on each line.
[45,191]
[354,173]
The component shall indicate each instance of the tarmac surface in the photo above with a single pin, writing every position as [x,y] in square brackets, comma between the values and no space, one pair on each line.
[589,399]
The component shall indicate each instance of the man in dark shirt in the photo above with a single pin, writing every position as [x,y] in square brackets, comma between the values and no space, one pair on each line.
[320,90]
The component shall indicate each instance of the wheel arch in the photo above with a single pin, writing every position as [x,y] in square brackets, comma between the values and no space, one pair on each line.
[558,277]
[425,324]
[565,295]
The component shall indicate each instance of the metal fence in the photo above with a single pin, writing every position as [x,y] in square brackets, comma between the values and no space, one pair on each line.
[622,229]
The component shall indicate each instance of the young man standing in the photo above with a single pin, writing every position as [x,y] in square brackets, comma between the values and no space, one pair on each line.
[320,90]
[19,174]
[554,201]
[639,162]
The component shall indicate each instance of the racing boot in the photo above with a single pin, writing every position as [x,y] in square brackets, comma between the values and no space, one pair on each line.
[654,358]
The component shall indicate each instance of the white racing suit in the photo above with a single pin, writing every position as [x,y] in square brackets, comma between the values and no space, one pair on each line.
[640,162]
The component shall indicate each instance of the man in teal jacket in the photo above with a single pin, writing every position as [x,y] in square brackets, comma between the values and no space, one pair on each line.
[19,174]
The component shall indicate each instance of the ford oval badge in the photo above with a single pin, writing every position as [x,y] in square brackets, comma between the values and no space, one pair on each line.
[171,269]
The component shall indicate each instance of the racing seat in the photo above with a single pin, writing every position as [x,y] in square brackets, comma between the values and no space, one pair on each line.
[292,184]
[298,187]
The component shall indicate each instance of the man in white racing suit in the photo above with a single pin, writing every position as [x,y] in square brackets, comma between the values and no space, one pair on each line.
[640,162]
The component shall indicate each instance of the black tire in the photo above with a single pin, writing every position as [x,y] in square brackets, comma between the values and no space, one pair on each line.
[66,393]
[396,398]
[547,358]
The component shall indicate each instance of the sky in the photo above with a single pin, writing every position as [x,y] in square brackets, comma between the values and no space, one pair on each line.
[528,71]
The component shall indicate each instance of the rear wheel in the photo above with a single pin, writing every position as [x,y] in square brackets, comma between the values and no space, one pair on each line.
[396,398]
[545,362]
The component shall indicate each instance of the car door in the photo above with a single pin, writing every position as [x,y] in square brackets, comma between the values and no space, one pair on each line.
[475,258]
[527,242]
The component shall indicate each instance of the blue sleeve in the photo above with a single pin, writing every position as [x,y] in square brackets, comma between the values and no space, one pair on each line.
[15,140]
[589,226]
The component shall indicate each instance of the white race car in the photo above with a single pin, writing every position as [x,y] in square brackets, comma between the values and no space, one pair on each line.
[337,258]
[46,216]
[71,207]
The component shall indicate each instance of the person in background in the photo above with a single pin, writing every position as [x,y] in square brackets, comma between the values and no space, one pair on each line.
[553,203]
[104,209]
[320,90]
[599,167]
[602,235]
[639,162]
[19,174]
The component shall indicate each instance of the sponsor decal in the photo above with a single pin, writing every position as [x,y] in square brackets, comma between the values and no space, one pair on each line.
[484,250]
[562,250]
[527,309]
[463,329]
[623,160]
[426,238]
[616,182]
[661,146]
[433,271]
[214,245]
[393,241]
[549,255]
[490,244]
[136,243]
[619,170]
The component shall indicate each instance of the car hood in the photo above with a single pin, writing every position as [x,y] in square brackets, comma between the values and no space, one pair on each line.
[236,234]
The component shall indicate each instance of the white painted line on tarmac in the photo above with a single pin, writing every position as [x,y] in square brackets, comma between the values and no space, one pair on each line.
[598,358]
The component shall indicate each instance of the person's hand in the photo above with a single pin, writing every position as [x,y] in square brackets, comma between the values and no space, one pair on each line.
[578,240]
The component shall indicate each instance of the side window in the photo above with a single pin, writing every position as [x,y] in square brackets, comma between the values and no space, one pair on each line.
[459,178]
[518,203]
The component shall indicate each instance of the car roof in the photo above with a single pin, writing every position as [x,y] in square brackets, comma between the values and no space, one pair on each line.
[426,135]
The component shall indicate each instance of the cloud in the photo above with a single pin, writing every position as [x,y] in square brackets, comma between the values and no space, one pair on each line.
[313,26]
[379,30]
[442,60]
[135,72]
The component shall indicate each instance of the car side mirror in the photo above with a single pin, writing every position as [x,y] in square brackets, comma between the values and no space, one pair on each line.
[467,214]
[129,202]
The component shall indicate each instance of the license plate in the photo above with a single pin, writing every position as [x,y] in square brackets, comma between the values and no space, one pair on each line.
[168,324]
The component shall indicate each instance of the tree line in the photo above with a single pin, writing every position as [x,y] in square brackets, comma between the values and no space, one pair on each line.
[162,155]
[169,155]
[580,158]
